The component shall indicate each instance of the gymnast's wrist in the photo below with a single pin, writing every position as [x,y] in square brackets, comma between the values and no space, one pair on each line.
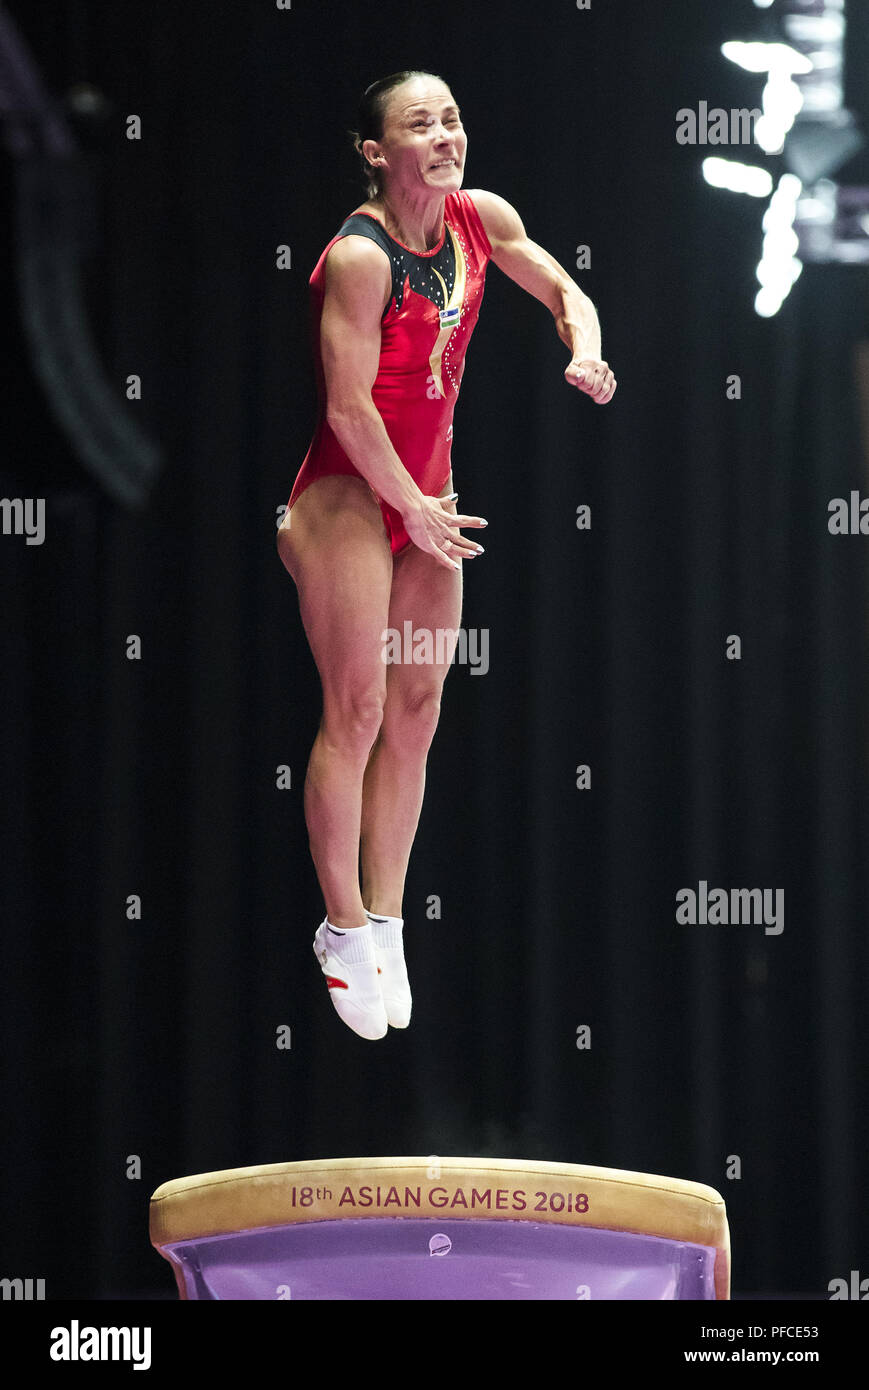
[413,500]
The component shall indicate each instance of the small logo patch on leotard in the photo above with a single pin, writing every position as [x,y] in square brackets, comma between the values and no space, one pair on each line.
[449,316]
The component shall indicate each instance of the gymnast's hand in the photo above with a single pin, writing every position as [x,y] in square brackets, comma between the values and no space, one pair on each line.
[434,524]
[592,377]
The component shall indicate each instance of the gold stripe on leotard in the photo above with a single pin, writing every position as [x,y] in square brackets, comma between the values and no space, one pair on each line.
[455,301]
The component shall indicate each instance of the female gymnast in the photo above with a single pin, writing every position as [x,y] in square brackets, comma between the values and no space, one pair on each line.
[371,534]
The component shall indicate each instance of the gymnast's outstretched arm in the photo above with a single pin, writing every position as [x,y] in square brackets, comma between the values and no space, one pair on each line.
[532,267]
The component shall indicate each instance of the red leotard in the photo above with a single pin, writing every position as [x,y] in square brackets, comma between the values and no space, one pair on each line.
[425,330]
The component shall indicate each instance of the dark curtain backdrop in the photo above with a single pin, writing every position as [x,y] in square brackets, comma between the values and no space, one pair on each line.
[157,777]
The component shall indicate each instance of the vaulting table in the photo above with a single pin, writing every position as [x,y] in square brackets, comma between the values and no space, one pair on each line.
[441,1228]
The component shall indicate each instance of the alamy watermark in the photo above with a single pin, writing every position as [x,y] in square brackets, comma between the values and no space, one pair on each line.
[851,1288]
[22,1290]
[423,646]
[848,517]
[77,1343]
[731,907]
[24,516]
[716,126]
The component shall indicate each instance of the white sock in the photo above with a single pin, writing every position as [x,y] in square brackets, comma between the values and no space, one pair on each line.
[354,946]
[387,930]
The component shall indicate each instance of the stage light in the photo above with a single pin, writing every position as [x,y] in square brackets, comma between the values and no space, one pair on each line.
[805,121]
[738,178]
[782,102]
[779,267]
[766,57]
[782,98]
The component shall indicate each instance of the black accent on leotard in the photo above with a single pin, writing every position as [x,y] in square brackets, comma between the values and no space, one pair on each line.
[407,264]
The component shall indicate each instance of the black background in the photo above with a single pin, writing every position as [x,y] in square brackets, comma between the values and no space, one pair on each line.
[157,777]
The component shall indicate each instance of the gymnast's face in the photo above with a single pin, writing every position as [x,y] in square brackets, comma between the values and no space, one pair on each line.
[422,131]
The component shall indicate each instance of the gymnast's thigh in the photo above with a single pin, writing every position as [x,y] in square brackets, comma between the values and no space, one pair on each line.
[334,544]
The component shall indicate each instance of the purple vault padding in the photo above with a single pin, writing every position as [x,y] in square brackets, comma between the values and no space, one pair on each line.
[408,1258]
